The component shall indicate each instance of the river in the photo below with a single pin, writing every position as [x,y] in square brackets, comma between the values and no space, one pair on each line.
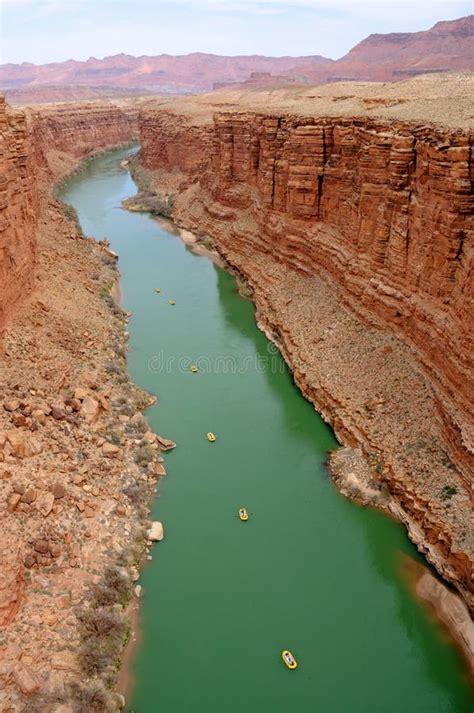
[309,571]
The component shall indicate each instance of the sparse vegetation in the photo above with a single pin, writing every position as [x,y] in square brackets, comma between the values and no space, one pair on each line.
[448,491]
[114,588]
[137,426]
[113,437]
[137,492]
[149,202]
[143,456]
[113,367]
[244,288]
[92,696]
[104,629]
[205,241]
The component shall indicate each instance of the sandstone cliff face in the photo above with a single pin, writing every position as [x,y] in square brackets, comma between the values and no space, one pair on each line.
[18,211]
[50,140]
[79,130]
[383,212]
[387,210]
[167,145]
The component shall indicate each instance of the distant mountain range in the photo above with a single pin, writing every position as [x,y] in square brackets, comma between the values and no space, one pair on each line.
[446,46]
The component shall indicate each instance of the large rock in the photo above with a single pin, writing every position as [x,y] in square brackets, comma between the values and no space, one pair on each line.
[25,679]
[156,532]
[23,444]
[90,409]
[110,450]
[65,661]
[44,503]
[159,469]
[165,443]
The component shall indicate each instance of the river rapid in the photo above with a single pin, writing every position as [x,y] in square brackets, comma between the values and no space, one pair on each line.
[309,571]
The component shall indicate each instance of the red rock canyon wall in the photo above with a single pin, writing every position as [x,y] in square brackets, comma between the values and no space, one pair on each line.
[49,139]
[384,208]
[18,211]
[79,130]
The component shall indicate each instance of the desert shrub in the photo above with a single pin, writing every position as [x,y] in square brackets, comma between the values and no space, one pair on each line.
[91,697]
[143,456]
[138,427]
[70,212]
[126,410]
[102,622]
[155,203]
[448,491]
[45,701]
[113,437]
[140,175]
[113,367]
[114,588]
[136,492]
[104,630]
[132,554]
[108,260]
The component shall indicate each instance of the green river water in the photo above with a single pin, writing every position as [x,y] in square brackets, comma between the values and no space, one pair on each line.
[310,571]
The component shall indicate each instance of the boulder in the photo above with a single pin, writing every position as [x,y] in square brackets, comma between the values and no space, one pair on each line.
[65,661]
[165,443]
[109,450]
[58,413]
[13,501]
[12,405]
[90,409]
[159,469]
[58,490]
[25,679]
[156,532]
[42,546]
[23,445]
[45,503]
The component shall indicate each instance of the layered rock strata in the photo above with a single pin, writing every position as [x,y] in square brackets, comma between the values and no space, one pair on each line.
[78,130]
[18,211]
[357,237]
[49,140]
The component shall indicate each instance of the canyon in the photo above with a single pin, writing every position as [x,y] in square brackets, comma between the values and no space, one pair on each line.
[373,218]
[447,46]
[351,229]
[43,145]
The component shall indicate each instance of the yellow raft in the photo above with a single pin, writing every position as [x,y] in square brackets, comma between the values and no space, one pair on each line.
[243,514]
[171,302]
[211,437]
[194,368]
[288,659]
[157,289]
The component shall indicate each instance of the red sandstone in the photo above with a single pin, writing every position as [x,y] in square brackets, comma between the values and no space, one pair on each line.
[383,212]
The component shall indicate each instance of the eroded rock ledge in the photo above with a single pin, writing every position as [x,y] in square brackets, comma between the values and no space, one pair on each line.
[356,237]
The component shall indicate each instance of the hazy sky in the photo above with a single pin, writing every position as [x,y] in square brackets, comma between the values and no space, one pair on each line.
[55,30]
